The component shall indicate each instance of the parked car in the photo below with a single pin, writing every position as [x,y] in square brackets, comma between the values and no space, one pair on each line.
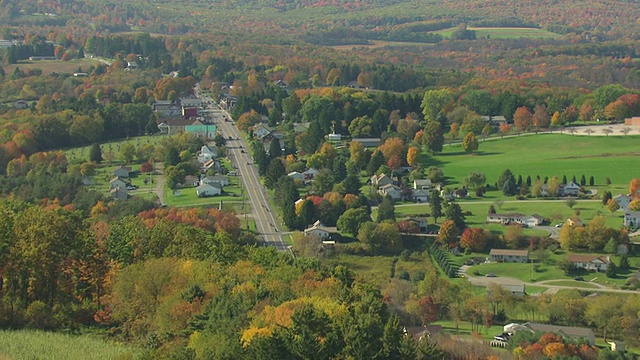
[559,225]
[502,337]
[491,275]
[578,278]
[131,187]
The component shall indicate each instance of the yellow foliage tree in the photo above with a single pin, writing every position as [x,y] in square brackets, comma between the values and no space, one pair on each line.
[412,156]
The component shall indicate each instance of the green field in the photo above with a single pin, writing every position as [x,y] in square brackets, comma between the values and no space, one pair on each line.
[26,344]
[81,154]
[545,155]
[504,33]
[53,66]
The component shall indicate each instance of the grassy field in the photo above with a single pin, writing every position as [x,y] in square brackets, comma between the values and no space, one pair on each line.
[25,344]
[504,33]
[546,155]
[82,153]
[377,269]
[53,66]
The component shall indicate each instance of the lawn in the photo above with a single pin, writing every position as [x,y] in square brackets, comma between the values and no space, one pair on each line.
[556,210]
[377,269]
[27,344]
[545,155]
[53,66]
[464,329]
[81,154]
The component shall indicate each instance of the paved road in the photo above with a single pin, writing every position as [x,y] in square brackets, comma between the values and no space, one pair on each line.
[238,153]
[159,167]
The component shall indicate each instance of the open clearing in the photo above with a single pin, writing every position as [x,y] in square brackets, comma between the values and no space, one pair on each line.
[504,33]
[545,155]
[53,66]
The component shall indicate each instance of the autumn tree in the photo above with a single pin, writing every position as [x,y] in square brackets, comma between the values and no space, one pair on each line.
[470,143]
[392,147]
[473,239]
[427,310]
[247,120]
[358,154]
[613,206]
[413,155]
[540,117]
[449,232]
[504,129]
[634,186]
[523,118]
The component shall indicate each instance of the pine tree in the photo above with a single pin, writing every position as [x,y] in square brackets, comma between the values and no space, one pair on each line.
[435,203]
[386,210]
[95,153]
[592,181]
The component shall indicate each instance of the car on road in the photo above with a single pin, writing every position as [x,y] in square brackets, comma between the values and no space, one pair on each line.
[242,151]
[248,163]
[578,278]
[559,225]
[491,275]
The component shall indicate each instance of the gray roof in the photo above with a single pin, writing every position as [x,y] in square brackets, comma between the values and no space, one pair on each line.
[566,330]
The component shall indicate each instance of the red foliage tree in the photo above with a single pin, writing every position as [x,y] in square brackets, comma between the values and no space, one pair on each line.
[427,309]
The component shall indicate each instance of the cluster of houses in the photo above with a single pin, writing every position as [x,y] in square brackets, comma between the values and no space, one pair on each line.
[184,115]
[631,218]
[120,184]
[388,185]
[305,176]
[598,263]
[211,185]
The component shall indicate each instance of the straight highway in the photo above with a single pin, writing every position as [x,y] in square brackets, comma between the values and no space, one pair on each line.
[238,152]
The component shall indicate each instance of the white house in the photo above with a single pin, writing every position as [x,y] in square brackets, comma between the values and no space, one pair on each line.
[623,201]
[589,262]
[207,153]
[296,176]
[506,255]
[391,190]
[216,180]
[631,219]
[319,230]
[206,190]
[422,184]
[570,189]
[515,218]
[334,137]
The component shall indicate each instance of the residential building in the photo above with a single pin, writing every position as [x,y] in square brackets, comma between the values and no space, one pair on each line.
[122,171]
[117,182]
[319,230]
[570,189]
[119,193]
[419,333]
[421,221]
[380,180]
[296,176]
[391,190]
[173,126]
[207,153]
[310,173]
[191,180]
[515,218]
[207,131]
[632,219]
[419,195]
[166,108]
[261,131]
[623,201]
[515,290]
[216,180]
[191,101]
[506,255]
[570,332]
[207,190]
[422,184]
[589,262]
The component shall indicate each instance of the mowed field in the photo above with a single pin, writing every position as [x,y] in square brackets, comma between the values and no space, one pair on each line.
[27,344]
[546,155]
[504,33]
[53,66]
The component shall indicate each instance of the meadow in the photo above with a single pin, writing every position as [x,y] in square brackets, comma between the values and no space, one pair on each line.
[28,344]
[546,155]
[53,66]
[504,33]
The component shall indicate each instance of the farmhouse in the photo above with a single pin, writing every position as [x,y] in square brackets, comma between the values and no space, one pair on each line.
[206,190]
[172,126]
[623,201]
[319,230]
[216,180]
[505,255]
[589,262]
[570,189]
[515,218]
[419,195]
[631,218]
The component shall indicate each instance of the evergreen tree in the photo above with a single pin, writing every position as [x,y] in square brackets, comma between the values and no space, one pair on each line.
[452,211]
[506,175]
[308,213]
[275,149]
[624,262]
[592,181]
[519,180]
[606,196]
[377,160]
[352,184]
[274,172]
[95,153]
[386,210]
[172,158]
[564,179]
[435,203]
[583,181]
[509,188]
[528,181]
